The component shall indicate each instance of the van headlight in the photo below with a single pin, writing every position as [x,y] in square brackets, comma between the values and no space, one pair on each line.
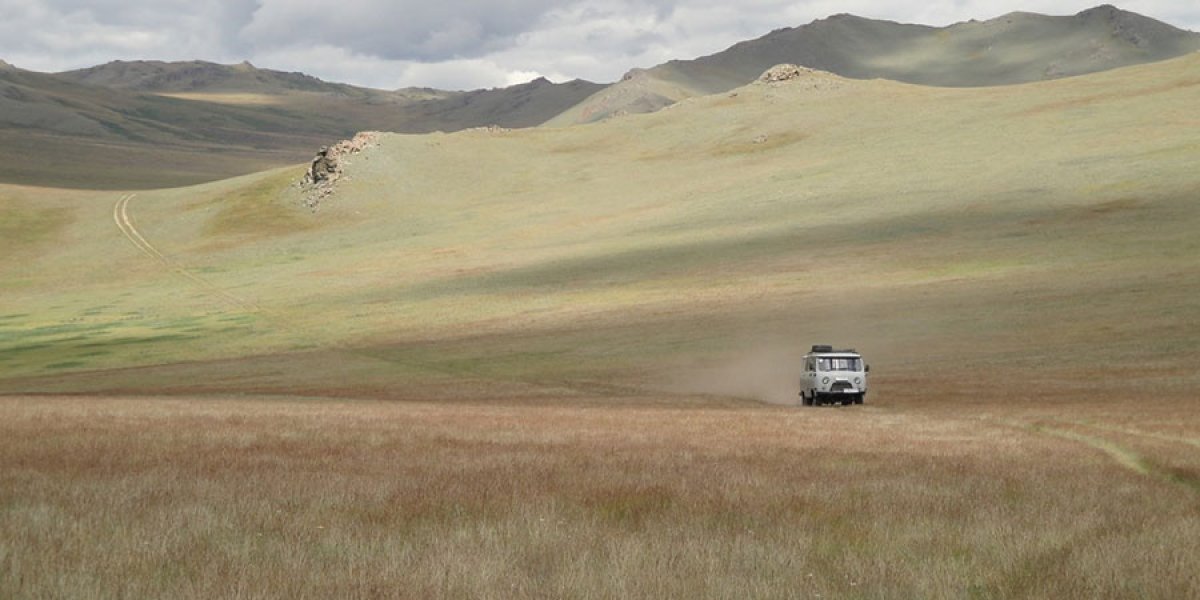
[857,380]
[825,380]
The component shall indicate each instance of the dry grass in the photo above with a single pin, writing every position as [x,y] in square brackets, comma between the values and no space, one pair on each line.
[309,498]
[234,98]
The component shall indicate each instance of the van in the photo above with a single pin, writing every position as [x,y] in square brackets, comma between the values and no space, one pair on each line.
[833,377]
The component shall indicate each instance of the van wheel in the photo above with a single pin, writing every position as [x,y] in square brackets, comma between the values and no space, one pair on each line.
[859,398]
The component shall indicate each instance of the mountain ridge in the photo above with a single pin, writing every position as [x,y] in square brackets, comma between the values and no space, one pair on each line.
[140,124]
[192,121]
[1017,47]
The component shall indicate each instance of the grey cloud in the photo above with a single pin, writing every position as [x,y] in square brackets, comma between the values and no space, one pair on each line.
[455,43]
[419,31]
[59,34]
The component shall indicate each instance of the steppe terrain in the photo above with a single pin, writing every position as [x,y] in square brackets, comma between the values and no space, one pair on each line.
[559,362]
[152,124]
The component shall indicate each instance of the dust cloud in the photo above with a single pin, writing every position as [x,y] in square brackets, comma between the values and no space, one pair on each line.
[767,374]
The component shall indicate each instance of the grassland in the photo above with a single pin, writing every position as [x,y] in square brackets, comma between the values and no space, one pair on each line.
[312,498]
[534,363]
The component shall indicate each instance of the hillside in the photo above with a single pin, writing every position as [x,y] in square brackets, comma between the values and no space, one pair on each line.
[409,110]
[201,76]
[1026,233]
[1014,48]
[152,124]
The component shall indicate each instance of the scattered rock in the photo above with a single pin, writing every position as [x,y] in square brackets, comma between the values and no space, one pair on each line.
[491,129]
[789,74]
[329,166]
[784,72]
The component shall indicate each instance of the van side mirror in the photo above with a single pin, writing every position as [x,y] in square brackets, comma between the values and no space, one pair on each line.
[867,369]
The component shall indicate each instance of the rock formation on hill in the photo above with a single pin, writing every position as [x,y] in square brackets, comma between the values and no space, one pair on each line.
[329,165]
[782,72]
[789,74]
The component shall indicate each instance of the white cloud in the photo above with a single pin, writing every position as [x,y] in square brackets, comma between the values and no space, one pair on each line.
[338,64]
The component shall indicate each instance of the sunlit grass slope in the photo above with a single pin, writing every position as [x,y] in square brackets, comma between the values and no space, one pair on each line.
[1041,234]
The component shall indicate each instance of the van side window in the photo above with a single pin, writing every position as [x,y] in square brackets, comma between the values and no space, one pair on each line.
[810,364]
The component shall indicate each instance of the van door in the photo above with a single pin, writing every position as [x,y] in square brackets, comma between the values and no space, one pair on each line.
[809,381]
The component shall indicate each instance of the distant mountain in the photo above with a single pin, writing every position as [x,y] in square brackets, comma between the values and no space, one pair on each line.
[190,76]
[151,124]
[1015,48]
[409,110]
[136,124]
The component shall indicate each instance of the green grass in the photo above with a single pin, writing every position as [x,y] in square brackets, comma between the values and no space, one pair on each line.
[112,343]
[23,226]
[261,208]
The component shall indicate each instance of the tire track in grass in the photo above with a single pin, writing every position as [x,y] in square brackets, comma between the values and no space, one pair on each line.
[1125,457]
[1121,455]
[125,224]
[1138,433]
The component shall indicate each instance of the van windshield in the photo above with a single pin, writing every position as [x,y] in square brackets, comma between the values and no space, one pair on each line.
[839,364]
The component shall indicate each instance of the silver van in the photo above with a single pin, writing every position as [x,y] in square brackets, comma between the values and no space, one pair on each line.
[833,376]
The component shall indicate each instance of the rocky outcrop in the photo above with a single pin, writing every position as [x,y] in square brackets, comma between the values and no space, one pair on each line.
[329,165]
[784,72]
[803,77]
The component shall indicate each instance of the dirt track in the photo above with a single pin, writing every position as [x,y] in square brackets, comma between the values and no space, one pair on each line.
[129,230]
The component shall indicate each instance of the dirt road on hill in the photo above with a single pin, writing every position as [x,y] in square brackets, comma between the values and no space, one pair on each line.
[129,230]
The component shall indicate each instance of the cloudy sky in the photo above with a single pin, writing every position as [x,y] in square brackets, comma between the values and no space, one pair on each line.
[453,44]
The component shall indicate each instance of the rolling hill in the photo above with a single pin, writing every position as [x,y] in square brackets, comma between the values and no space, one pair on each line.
[201,76]
[152,124]
[1014,48]
[409,110]
[1026,233]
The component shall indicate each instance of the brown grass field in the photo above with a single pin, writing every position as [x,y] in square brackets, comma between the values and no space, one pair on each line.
[250,497]
[561,362]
